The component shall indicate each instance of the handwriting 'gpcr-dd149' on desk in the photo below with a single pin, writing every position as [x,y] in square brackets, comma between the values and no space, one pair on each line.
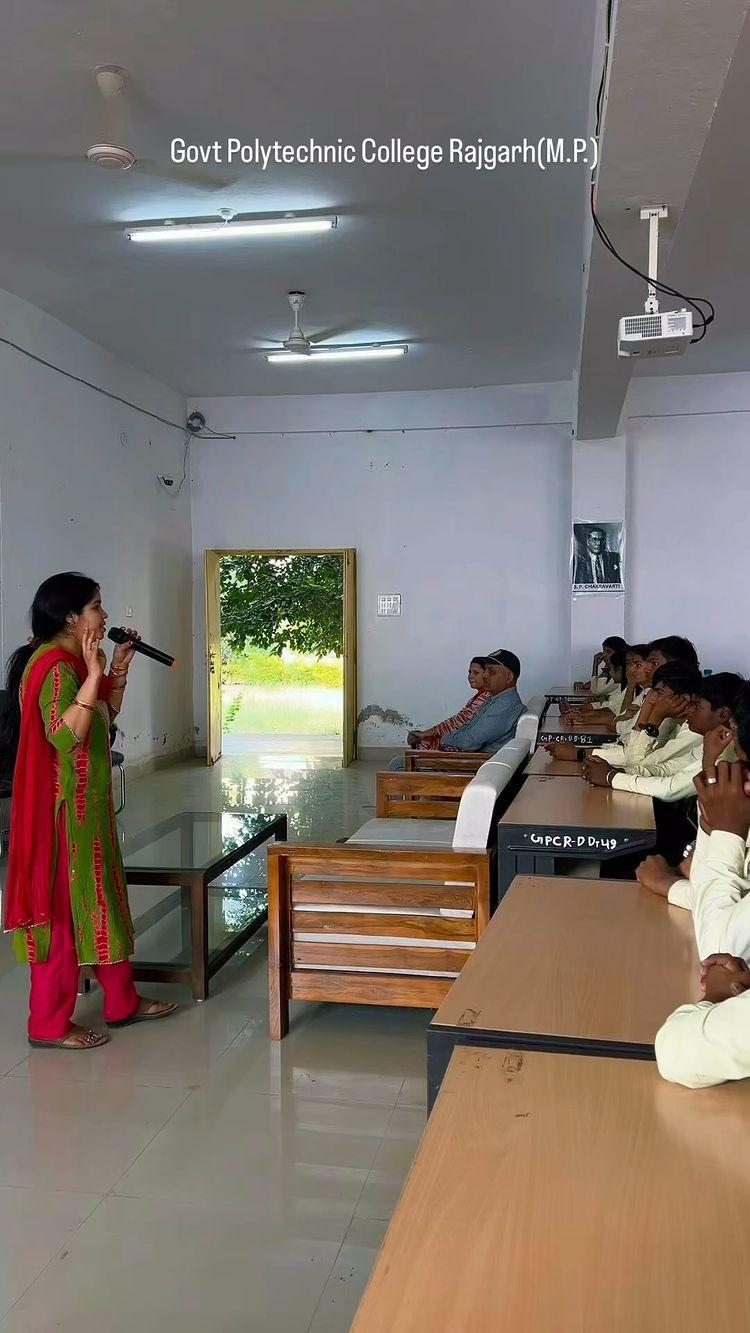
[550,819]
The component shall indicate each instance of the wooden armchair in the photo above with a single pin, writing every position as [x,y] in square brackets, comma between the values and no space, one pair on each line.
[390,916]
[445,761]
[419,795]
[370,925]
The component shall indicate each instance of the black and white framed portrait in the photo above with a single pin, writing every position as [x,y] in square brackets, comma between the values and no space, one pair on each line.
[597,557]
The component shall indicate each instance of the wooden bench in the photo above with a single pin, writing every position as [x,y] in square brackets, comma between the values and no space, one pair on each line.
[589,966]
[553,1193]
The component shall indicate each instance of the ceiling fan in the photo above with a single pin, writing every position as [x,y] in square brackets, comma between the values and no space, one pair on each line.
[298,345]
[110,152]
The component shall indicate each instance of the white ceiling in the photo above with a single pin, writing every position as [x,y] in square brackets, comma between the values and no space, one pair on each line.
[711,252]
[479,271]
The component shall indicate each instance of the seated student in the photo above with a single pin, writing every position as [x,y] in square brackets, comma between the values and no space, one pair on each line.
[672,648]
[659,653]
[496,722]
[718,885]
[637,679]
[430,738]
[707,1043]
[662,755]
[712,714]
[601,682]
[628,669]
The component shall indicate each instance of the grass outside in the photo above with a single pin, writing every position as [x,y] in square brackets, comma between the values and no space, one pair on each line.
[311,710]
[265,695]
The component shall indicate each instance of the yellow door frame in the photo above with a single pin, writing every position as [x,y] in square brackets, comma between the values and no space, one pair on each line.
[213,641]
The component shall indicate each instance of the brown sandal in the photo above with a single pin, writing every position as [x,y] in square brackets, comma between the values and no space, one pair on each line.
[91,1039]
[145,1017]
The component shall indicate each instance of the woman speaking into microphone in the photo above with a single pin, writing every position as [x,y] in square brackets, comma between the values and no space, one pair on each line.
[66,899]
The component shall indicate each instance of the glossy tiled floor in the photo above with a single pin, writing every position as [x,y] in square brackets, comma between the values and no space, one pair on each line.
[193,1175]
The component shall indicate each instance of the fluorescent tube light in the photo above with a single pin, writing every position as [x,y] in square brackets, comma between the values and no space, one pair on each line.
[362,352]
[224,231]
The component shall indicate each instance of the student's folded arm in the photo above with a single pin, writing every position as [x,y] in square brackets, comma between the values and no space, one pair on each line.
[721,903]
[654,767]
[679,894]
[683,891]
[637,745]
[614,754]
[704,1044]
[673,788]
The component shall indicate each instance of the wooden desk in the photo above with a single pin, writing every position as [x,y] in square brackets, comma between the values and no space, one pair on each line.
[553,1193]
[550,819]
[586,736]
[562,693]
[588,966]
[542,765]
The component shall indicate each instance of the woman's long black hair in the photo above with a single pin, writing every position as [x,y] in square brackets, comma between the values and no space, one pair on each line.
[57,598]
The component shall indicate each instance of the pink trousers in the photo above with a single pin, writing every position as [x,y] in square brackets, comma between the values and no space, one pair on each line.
[54,984]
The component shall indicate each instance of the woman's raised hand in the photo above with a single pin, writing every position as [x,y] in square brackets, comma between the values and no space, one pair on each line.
[123,654]
[92,654]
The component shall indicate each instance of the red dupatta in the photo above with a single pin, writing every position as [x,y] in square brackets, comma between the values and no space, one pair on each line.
[27,898]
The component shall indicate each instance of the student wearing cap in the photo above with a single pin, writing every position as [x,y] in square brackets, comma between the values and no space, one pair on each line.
[496,722]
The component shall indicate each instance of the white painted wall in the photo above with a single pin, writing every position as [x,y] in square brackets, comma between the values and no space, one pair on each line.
[470,525]
[72,496]
[689,509]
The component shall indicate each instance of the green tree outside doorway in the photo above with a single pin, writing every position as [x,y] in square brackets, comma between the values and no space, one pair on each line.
[282,669]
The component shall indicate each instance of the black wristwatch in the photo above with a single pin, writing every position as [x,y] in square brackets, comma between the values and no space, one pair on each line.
[651,730]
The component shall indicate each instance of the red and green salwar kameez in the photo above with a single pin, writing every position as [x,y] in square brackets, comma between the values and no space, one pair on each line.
[68,903]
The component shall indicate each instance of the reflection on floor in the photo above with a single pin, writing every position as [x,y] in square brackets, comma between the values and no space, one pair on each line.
[194,1175]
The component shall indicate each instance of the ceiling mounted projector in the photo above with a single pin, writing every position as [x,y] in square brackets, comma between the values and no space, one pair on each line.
[654,333]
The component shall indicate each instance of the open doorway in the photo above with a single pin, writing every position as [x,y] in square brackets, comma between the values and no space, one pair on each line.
[281,652]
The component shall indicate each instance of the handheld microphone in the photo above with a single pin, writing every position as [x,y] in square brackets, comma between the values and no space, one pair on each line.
[119,636]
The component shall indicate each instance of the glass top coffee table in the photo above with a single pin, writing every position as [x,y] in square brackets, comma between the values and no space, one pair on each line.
[212,868]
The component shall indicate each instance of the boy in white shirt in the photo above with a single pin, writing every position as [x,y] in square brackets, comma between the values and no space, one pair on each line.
[672,649]
[630,669]
[662,755]
[712,716]
[709,1042]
